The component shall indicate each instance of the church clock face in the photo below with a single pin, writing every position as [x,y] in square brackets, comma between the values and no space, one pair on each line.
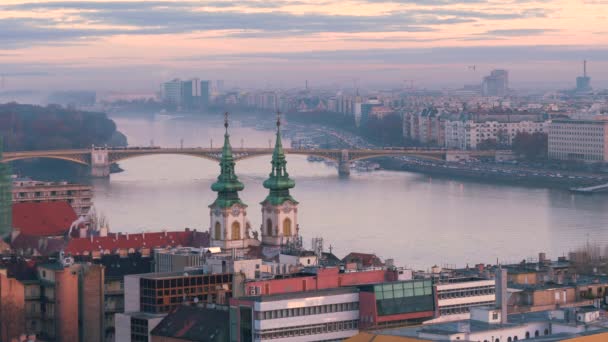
[236,211]
[217,211]
[286,207]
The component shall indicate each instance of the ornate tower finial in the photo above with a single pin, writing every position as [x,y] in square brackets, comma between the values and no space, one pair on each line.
[278,119]
[226,121]
[227,185]
[279,182]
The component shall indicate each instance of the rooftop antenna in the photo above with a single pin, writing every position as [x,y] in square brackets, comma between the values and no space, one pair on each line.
[585,68]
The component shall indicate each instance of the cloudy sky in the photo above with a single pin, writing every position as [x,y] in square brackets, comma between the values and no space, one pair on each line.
[133,45]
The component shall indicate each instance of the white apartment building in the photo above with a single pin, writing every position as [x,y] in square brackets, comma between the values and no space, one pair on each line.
[580,140]
[456,297]
[466,135]
[324,315]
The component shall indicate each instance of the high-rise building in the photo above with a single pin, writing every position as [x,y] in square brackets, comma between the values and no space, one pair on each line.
[496,84]
[172,92]
[219,86]
[205,89]
[190,95]
[583,83]
[5,196]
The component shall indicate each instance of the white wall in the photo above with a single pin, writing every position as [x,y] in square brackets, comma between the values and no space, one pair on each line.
[122,326]
[132,293]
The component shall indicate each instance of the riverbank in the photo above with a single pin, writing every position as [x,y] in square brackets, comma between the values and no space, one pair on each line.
[495,174]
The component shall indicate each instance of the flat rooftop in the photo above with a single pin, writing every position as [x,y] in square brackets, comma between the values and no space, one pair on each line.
[299,295]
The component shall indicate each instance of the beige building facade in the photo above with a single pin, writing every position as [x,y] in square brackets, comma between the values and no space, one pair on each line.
[579,140]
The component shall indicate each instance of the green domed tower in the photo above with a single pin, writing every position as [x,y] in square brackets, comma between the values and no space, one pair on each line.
[279,209]
[228,227]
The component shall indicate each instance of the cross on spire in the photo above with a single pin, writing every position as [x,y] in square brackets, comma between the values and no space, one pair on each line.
[226,121]
[278,118]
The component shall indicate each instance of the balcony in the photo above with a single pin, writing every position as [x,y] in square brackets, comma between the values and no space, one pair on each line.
[114,292]
[114,308]
[35,296]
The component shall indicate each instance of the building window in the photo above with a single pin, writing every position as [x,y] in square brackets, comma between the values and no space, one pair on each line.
[218,231]
[236,231]
[287,227]
[269,227]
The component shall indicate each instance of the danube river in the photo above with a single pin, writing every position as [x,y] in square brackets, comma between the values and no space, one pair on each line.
[417,220]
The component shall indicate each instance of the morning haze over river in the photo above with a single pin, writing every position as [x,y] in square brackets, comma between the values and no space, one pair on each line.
[416,219]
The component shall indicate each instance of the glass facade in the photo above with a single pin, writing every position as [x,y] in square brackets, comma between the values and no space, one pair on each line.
[404,297]
[163,295]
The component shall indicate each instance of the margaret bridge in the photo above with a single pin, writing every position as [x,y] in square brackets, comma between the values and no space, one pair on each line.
[100,159]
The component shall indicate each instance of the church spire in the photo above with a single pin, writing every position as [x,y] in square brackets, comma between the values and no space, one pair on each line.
[227,185]
[278,181]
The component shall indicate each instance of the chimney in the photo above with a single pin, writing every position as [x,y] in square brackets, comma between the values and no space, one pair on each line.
[501,294]
[542,257]
[127,235]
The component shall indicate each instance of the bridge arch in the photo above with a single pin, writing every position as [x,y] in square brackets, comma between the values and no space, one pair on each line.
[330,157]
[70,159]
[421,156]
[117,159]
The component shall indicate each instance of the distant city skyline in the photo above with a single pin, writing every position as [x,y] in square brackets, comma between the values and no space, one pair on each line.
[136,45]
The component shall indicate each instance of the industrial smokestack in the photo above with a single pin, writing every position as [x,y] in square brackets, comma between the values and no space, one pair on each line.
[501,294]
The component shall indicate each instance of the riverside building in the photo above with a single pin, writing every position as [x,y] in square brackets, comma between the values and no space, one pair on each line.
[579,140]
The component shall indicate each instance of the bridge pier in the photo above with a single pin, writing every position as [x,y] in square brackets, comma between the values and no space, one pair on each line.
[344,164]
[100,163]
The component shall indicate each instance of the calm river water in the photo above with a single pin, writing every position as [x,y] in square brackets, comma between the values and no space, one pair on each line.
[417,220]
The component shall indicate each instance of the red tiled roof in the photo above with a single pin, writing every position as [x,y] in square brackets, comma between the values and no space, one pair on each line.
[113,242]
[364,258]
[43,219]
[25,244]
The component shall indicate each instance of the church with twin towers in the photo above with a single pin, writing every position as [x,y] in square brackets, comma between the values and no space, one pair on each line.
[229,227]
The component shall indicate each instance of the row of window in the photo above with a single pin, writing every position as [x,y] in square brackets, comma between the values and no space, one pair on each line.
[169,304]
[139,330]
[461,308]
[468,292]
[305,311]
[185,281]
[575,156]
[306,330]
[516,338]
[184,290]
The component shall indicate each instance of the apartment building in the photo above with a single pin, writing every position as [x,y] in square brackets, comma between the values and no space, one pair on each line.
[57,301]
[79,196]
[468,134]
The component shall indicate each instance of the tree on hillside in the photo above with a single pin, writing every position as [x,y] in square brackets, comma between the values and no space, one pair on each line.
[28,127]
